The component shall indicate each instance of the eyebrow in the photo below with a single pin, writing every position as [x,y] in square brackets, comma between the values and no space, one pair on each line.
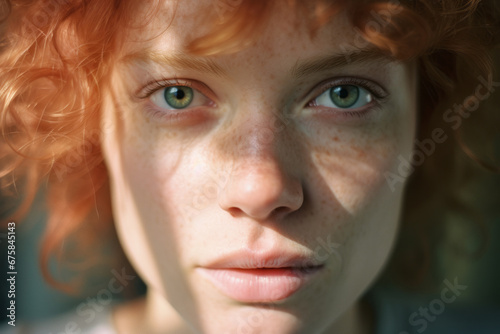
[178,61]
[315,65]
[301,68]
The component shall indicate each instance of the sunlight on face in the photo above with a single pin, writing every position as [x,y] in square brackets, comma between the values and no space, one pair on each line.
[248,188]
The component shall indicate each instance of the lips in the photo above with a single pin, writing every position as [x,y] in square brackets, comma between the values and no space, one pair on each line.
[256,277]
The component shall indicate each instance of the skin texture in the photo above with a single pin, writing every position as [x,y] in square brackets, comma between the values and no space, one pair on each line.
[254,166]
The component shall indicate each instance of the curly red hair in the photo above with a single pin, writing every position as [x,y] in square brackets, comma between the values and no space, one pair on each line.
[56,57]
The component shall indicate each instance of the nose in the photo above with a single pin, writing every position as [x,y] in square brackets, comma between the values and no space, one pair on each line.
[261,185]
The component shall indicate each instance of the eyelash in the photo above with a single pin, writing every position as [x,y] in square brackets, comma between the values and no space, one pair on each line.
[156,85]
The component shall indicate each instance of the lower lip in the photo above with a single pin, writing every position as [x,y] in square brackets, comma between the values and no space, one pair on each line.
[259,285]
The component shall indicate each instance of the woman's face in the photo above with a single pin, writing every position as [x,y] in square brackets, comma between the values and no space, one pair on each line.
[249,189]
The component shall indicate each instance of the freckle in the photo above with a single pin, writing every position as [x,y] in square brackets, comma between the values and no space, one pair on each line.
[335,138]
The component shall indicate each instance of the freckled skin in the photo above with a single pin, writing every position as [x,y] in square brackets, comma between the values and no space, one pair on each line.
[258,170]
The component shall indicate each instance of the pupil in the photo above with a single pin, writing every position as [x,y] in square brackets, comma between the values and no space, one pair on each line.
[343,93]
[179,94]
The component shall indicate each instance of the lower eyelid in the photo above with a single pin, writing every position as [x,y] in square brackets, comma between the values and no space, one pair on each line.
[349,116]
[193,116]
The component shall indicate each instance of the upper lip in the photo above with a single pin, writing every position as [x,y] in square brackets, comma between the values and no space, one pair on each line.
[250,259]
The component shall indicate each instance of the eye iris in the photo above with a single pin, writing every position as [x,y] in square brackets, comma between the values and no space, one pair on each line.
[178,97]
[345,96]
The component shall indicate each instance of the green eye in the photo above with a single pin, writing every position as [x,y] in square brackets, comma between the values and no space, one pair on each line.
[178,97]
[344,96]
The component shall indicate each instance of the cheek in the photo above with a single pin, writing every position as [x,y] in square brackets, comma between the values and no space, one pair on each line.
[167,187]
[354,166]
[351,166]
[151,186]
[149,173]
[171,182]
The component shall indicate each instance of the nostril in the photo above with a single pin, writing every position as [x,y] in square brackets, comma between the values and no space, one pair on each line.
[278,212]
[235,212]
[282,210]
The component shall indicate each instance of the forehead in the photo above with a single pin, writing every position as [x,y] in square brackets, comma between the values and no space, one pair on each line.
[172,25]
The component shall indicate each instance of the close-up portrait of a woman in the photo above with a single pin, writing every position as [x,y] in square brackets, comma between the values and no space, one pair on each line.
[250,166]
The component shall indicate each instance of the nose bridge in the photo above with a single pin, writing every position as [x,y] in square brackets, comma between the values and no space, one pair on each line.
[261,180]
[258,139]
